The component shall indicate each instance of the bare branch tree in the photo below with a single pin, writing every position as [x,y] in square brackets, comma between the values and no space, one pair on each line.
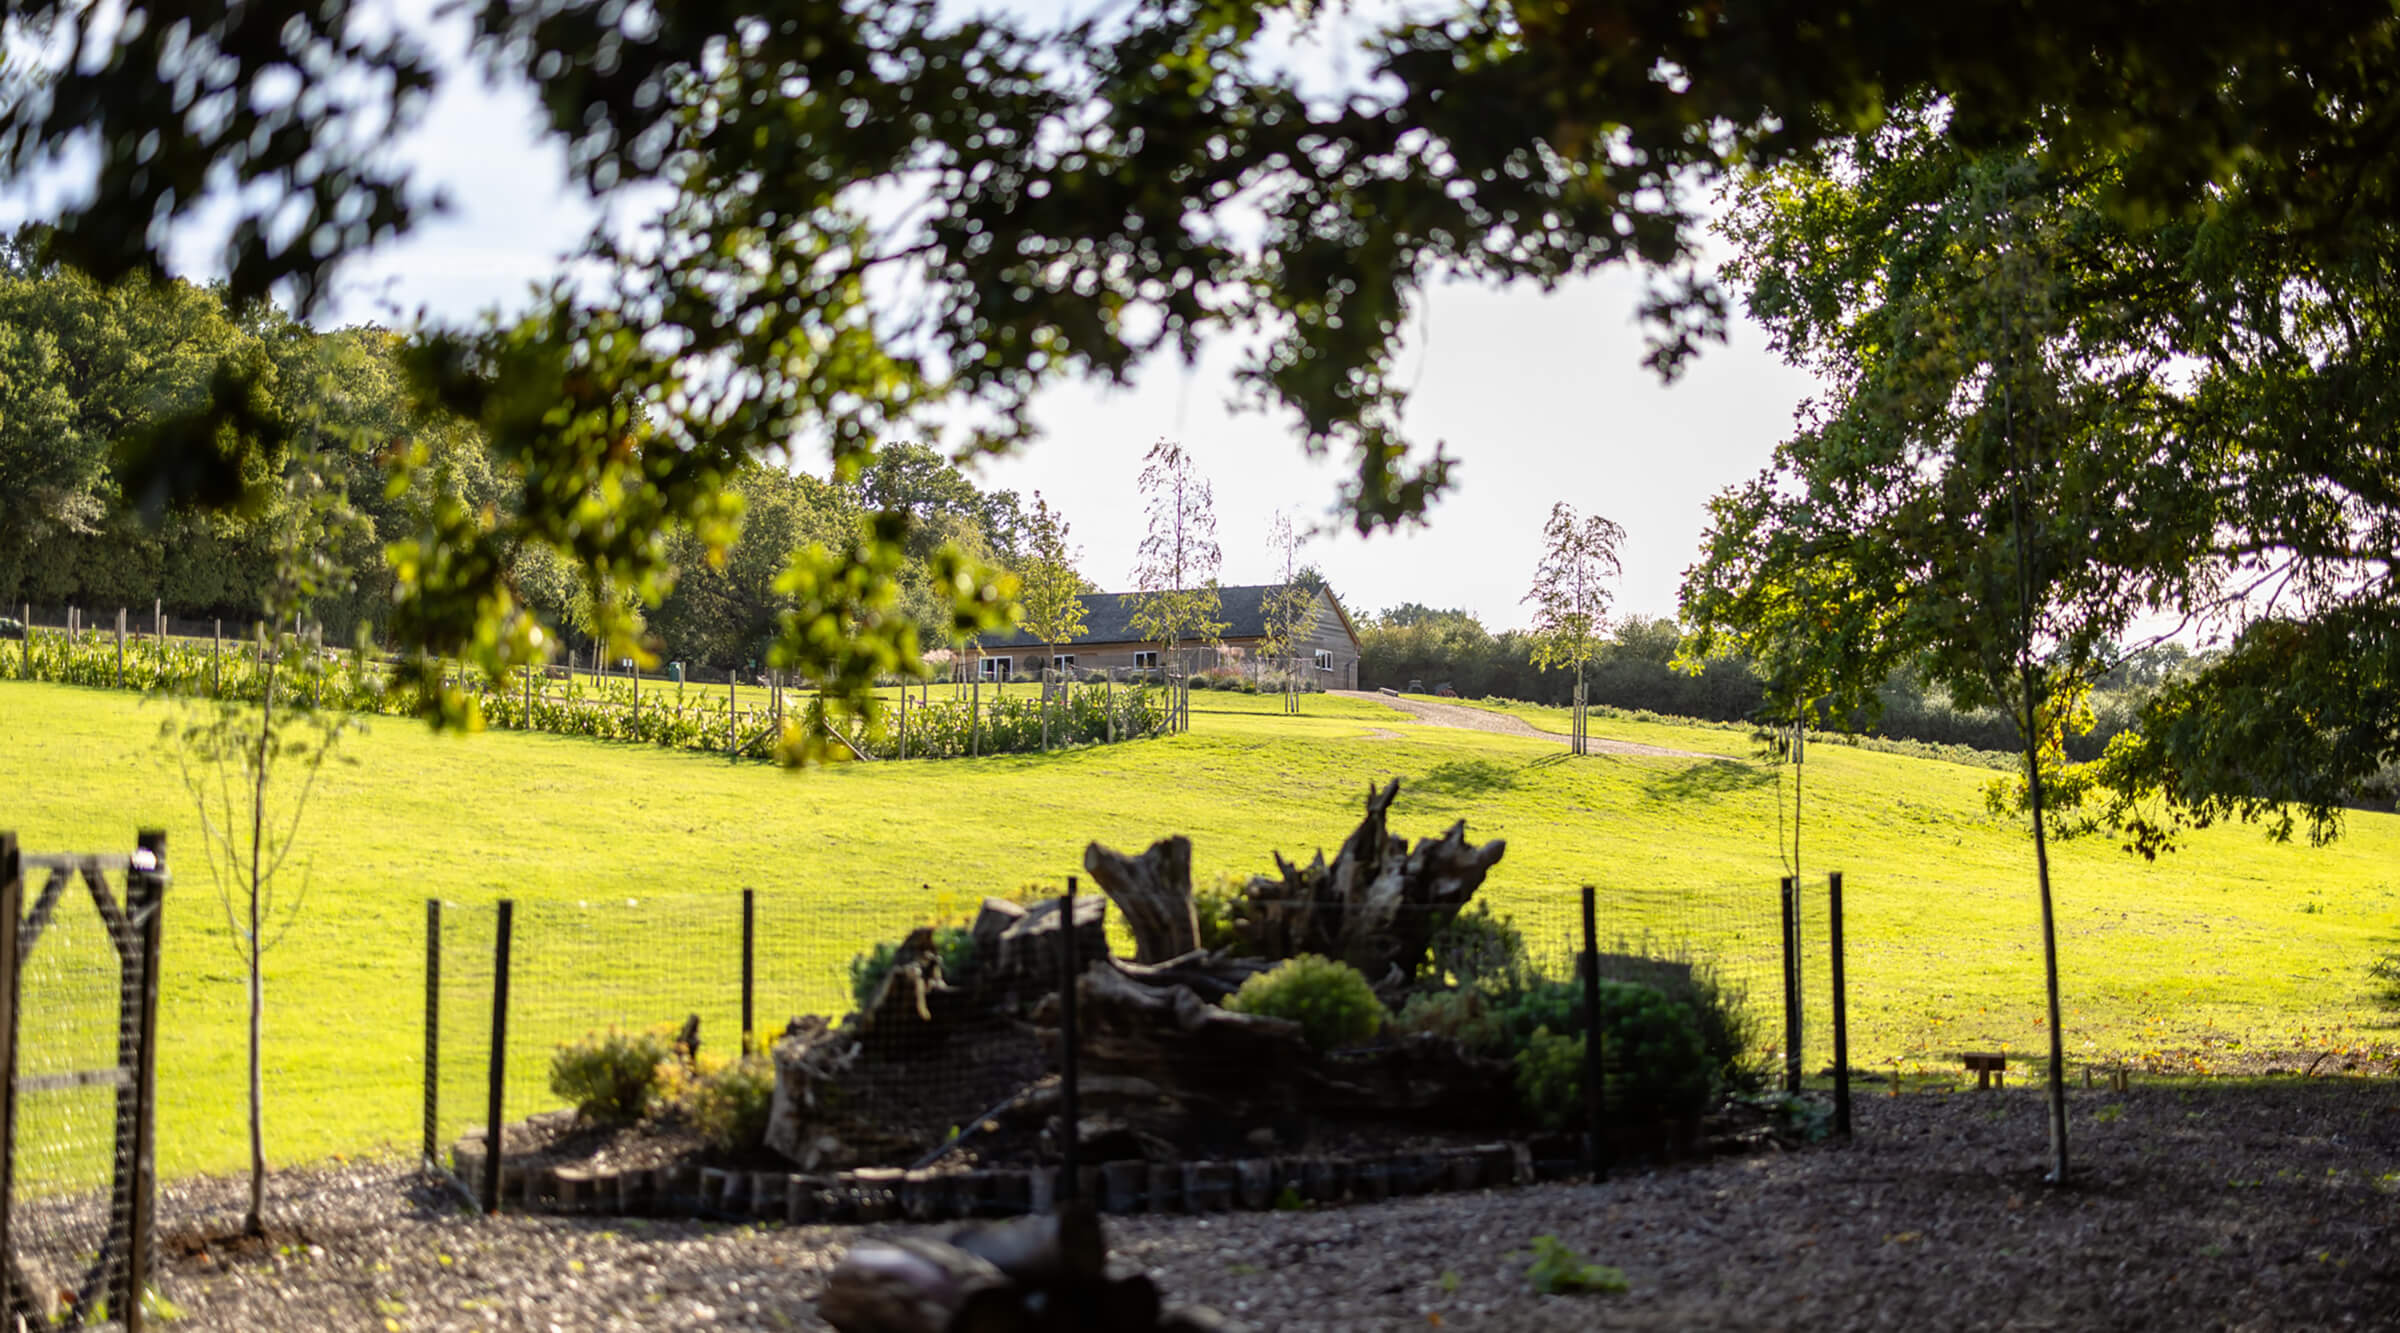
[1571,596]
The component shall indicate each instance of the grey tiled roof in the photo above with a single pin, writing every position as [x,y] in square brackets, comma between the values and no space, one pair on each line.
[1108,618]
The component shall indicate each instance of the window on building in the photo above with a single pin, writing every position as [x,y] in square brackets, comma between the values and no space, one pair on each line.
[994,668]
[1062,662]
[1145,661]
[1324,660]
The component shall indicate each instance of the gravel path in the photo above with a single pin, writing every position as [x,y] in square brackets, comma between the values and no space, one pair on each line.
[1484,719]
[2270,1205]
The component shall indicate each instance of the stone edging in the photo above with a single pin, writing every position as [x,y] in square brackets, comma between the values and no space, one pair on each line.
[888,1194]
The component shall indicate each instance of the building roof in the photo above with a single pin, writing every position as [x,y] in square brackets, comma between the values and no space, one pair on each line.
[1108,618]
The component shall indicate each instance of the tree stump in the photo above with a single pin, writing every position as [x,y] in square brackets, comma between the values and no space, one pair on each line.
[1153,891]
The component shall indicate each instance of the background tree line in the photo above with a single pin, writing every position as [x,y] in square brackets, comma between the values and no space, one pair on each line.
[1637,670]
[91,375]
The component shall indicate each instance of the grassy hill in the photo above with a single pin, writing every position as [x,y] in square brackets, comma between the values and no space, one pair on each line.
[2233,944]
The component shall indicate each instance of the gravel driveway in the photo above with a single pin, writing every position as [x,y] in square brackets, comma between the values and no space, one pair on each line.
[2270,1205]
[1484,719]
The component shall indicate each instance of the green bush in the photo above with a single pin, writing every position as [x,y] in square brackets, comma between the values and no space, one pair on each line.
[1550,1077]
[611,1077]
[1467,1016]
[1480,951]
[729,1105]
[1331,1002]
[1656,1066]
[1213,909]
[953,945]
[1728,1032]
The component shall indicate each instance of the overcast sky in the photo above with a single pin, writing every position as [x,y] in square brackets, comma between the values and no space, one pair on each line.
[1540,398]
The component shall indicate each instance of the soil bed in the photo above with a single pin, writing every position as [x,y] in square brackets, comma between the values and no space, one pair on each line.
[2195,1206]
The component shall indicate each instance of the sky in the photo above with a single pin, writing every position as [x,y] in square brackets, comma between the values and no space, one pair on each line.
[1541,398]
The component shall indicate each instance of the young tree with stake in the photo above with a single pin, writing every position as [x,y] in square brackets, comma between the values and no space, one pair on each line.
[1049,589]
[1175,572]
[1571,596]
[251,769]
[1290,607]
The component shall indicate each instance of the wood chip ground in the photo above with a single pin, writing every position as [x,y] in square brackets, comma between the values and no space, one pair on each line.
[2266,1205]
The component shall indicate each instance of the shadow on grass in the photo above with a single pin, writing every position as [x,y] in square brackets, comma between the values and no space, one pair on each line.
[1717,777]
[2383,974]
[1466,777]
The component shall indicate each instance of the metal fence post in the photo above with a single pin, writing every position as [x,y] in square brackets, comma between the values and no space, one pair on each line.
[492,1141]
[749,959]
[145,904]
[433,1032]
[12,912]
[1070,1112]
[1594,1085]
[1791,985]
[1841,1010]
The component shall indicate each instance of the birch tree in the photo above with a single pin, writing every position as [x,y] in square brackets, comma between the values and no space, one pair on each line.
[1175,572]
[1290,606]
[1049,589]
[1571,596]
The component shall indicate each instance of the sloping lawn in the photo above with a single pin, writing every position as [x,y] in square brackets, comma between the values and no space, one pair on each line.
[2233,941]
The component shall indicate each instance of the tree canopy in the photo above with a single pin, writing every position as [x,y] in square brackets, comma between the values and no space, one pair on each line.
[1077,200]
[2054,429]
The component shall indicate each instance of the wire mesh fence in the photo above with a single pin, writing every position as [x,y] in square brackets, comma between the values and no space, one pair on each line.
[79,939]
[946,1041]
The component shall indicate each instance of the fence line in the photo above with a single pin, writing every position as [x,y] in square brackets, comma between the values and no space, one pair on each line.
[1070,711]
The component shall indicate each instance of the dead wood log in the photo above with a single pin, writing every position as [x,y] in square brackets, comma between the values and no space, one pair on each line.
[1032,1275]
[1018,949]
[1378,903]
[1215,1069]
[1153,891]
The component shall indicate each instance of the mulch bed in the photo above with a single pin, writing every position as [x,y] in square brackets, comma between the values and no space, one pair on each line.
[2258,1205]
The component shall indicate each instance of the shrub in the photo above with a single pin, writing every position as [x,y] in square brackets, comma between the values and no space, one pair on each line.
[612,1077]
[953,945]
[1656,1064]
[1480,951]
[1213,908]
[729,1104]
[1467,1016]
[1331,1002]
[1728,1032]
[1550,1077]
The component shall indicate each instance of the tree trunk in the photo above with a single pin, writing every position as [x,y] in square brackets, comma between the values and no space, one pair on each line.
[256,1222]
[1153,892]
[2041,862]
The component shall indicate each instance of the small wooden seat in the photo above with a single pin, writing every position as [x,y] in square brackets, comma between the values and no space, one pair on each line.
[1989,1067]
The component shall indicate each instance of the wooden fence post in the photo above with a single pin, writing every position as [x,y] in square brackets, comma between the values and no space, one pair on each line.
[493,1124]
[749,963]
[637,701]
[904,719]
[1841,1010]
[216,659]
[433,1033]
[12,911]
[732,739]
[120,647]
[974,717]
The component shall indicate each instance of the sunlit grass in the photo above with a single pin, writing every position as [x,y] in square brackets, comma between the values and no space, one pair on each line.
[2234,940]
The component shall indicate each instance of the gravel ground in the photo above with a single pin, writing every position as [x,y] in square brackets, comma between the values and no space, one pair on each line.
[2268,1205]
[1484,719]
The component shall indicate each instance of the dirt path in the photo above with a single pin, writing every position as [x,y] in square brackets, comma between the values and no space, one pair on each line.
[1484,719]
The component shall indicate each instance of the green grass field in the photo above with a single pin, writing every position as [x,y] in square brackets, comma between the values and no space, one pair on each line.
[2233,943]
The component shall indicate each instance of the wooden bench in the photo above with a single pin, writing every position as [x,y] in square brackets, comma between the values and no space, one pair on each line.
[1989,1067]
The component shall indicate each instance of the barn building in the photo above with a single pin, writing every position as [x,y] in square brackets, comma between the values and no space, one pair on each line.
[1327,649]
